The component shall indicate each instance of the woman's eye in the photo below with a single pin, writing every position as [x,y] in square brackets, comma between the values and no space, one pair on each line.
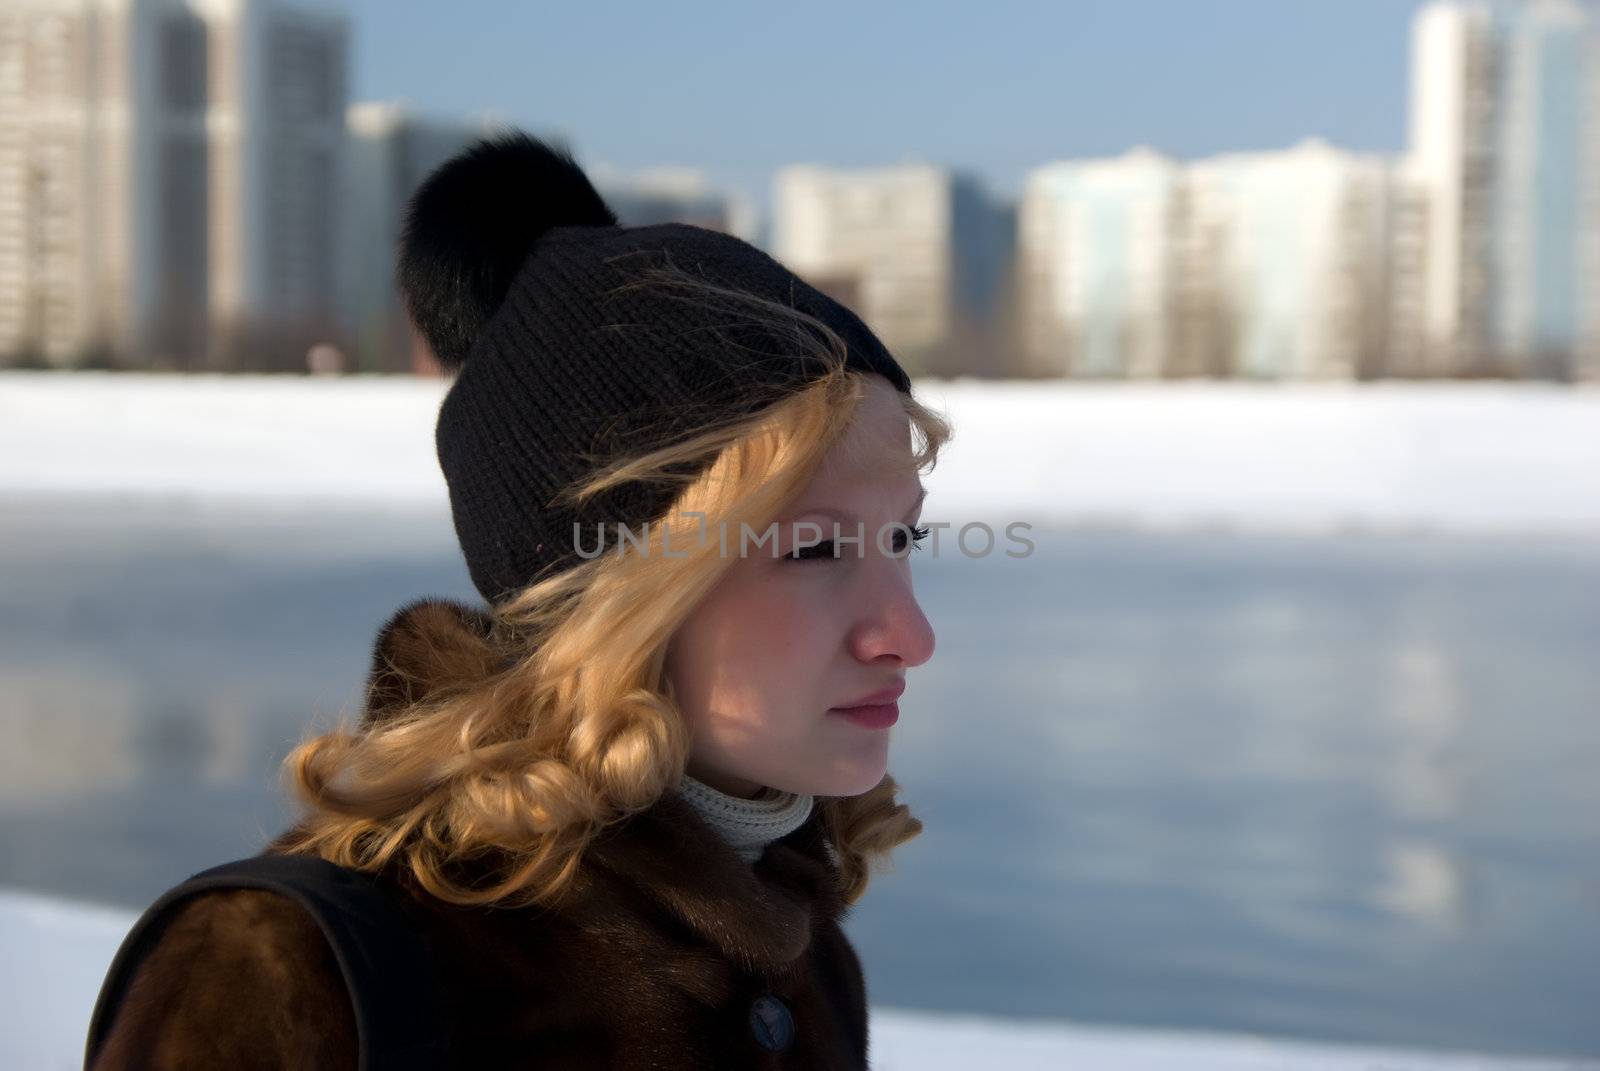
[819,550]
[825,550]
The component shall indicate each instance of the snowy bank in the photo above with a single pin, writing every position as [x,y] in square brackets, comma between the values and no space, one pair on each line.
[1492,458]
[55,954]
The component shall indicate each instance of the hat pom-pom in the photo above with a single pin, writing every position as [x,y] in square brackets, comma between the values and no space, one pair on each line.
[471,224]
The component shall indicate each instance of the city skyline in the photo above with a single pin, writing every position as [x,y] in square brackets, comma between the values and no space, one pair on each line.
[653,88]
[200,184]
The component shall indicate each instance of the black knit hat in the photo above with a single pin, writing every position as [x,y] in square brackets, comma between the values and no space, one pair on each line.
[515,271]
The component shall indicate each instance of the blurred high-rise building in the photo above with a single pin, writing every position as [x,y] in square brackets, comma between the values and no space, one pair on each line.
[102,169]
[391,149]
[1505,133]
[168,180]
[1293,246]
[920,252]
[1264,265]
[1097,266]
[276,111]
[1410,214]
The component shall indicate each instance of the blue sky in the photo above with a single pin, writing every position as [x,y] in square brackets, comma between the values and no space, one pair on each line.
[994,86]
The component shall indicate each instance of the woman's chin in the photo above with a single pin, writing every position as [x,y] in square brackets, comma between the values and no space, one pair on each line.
[853,779]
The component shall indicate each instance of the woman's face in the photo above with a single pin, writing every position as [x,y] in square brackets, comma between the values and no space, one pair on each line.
[761,664]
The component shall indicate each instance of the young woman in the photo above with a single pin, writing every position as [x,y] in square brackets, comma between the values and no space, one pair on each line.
[625,807]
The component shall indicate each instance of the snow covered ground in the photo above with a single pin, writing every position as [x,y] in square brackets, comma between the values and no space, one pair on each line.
[55,955]
[1488,458]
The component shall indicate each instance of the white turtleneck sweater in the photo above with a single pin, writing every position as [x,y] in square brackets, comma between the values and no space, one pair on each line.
[748,825]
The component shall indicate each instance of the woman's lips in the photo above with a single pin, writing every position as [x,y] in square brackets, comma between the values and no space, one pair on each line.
[876,716]
[876,711]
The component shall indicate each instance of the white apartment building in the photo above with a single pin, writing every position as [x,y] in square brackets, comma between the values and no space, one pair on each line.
[1262,265]
[1505,134]
[84,130]
[168,175]
[1404,350]
[1097,249]
[918,251]
[1300,257]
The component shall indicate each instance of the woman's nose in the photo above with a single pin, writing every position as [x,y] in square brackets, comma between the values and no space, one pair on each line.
[892,622]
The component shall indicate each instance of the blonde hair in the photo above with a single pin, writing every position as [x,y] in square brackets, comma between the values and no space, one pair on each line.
[522,746]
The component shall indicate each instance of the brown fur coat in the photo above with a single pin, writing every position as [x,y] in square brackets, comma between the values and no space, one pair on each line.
[653,962]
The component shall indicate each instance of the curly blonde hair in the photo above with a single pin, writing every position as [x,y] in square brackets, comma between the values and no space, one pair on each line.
[527,743]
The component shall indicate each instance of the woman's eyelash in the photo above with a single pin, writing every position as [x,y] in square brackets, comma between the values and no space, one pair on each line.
[824,551]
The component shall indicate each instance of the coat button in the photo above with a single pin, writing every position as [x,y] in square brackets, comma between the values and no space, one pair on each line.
[771,1023]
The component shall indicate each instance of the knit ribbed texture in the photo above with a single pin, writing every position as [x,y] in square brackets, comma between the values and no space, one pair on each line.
[576,369]
[748,825]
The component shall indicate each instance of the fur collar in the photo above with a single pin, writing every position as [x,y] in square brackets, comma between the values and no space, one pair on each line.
[761,916]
